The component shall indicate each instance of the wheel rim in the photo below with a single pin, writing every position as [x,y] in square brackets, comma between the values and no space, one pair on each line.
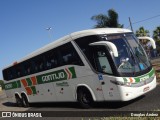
[85,99]
[18,101]
[24,101]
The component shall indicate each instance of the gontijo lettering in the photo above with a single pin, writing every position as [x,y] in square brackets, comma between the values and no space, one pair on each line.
[53,77]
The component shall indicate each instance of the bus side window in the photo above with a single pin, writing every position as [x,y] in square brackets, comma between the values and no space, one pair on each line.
[39,62]
[7,74]
[83,44]
[54,62]
[69,55]
[28,68]
[51,59]
[102,61]
[18,71]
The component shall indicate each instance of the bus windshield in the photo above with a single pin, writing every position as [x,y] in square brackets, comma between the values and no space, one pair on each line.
[131,55]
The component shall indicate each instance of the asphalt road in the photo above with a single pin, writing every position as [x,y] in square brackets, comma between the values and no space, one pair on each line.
[68,111]
[148,102]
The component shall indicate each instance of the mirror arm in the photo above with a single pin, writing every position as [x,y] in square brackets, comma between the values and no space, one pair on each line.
[150,39]
[110,45]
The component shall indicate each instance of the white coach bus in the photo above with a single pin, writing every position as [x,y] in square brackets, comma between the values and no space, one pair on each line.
[107,64]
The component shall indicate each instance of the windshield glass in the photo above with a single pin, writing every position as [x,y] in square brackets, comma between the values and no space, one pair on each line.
[138,52]
[131,56]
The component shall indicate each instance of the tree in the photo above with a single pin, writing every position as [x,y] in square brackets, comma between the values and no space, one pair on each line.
[142,32]
[156,34]
[156,37]
[2,84]
[110,20]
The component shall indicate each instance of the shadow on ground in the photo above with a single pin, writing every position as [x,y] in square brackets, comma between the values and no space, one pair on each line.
[75,105]
[97,105]
[9,104]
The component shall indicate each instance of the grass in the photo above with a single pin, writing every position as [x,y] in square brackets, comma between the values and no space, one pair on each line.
[158,76]
[156,66]
[123,118]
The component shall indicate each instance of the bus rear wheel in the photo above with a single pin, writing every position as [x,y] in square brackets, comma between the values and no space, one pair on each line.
[84,97]
[18,101]
[25,101]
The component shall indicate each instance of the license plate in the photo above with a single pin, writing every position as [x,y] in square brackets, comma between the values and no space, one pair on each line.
[146,89]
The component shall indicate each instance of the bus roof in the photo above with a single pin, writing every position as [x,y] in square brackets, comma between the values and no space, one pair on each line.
[71,37]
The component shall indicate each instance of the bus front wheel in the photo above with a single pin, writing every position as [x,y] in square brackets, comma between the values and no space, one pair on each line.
[84,97]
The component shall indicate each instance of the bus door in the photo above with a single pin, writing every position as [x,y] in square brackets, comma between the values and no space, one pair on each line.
[105,72]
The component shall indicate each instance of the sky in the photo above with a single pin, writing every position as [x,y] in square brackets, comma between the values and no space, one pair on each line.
[23,23]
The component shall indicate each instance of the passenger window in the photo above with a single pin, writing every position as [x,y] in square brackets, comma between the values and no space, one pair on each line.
[19,71]
[7,74]
[28,69]
[39,63]
[63,55]
[69,55]
[101,60]
[51,59]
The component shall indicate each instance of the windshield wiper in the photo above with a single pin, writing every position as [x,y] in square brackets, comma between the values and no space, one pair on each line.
[141,60]
[131,55]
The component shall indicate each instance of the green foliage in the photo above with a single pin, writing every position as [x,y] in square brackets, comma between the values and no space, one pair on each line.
[2,84]
[142,32]
[156,37]
[110,20]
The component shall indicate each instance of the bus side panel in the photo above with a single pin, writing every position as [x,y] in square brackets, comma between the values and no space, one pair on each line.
[10,94]
[66,89]
[86,77]
[44,93]
[110,90]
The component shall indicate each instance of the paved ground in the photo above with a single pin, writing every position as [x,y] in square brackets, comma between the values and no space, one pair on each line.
[7,106]
[156,65]
[148,102]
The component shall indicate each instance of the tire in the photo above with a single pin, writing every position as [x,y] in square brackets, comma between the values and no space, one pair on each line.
[18,101]
[85,98]
[25,101]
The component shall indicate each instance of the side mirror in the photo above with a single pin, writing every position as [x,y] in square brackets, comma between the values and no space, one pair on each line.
[150,39]
[110,45]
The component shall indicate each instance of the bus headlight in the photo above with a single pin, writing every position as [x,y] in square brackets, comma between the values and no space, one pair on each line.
[120,83]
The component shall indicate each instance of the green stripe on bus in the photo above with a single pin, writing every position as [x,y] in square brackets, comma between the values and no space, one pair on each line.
[52,77]
[29,82]
[125,79]
[12,85]
[55,76]
[18,84]
[44,78]
[72,70]
[138,79]
[34,90]
[150,74]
